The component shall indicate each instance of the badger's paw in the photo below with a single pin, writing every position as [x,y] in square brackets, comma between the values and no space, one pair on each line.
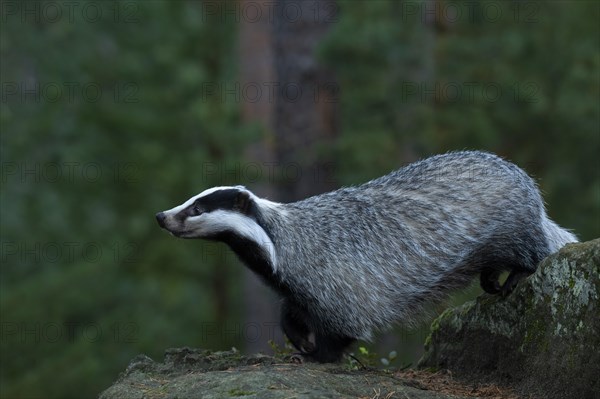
[297,358]
[512,280]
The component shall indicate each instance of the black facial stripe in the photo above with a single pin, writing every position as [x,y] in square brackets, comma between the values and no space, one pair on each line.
[220,199]
[229,199]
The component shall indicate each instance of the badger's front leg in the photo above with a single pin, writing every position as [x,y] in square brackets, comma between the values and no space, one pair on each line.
[329,348]
[319,346]
[294,323]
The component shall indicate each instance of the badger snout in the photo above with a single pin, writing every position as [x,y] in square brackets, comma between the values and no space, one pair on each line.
[160,218]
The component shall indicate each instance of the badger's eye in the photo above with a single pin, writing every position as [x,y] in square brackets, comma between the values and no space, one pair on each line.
[196,210]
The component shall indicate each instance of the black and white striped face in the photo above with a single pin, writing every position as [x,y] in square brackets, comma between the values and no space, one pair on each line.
[220,213]
[210,213]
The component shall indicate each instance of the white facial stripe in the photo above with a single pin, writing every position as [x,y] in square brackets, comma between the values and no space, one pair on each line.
[220,221]
[179,208]
[212,190]
[262,202]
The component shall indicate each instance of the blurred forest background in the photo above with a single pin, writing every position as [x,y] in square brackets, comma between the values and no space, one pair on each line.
[112,111]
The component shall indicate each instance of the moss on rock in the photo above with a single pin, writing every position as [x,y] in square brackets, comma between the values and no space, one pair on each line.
[195,373]
[543,339]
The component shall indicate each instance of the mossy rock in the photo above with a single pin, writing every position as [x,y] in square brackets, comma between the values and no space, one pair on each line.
[194,373]
[543,340]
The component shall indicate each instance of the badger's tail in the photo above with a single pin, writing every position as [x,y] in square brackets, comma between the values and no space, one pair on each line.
[556,236]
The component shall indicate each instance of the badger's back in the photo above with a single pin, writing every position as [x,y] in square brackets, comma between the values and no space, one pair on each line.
[370,255]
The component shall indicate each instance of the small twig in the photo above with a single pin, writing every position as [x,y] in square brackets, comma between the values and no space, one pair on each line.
[358,361]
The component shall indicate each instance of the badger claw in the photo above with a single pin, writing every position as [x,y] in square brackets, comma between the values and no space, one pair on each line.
[297,358]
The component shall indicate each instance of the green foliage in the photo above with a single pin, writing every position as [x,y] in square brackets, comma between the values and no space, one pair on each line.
[103,123]
[88,279]
[284,350]
[518,79]
[389,359]
[362,358]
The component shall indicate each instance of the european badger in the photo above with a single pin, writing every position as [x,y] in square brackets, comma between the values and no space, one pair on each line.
[357,260]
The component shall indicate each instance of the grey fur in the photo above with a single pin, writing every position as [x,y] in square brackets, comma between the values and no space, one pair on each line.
[361,259]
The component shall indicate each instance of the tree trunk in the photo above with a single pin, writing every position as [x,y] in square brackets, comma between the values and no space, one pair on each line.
[306,106]
[260,306]
[277,54]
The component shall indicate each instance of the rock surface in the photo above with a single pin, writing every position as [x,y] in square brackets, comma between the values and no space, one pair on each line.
[543,339]
[194,373]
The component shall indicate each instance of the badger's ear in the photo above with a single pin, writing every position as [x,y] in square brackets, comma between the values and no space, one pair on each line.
[242,202]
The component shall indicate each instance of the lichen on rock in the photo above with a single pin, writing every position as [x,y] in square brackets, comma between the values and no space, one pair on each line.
[544,339]
[196,373]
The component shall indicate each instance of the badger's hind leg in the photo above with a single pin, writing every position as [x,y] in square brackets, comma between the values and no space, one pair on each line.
[516,274]
[489,280]
[490,283]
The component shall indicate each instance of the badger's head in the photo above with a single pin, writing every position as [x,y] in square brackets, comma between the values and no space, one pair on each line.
[228,214]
